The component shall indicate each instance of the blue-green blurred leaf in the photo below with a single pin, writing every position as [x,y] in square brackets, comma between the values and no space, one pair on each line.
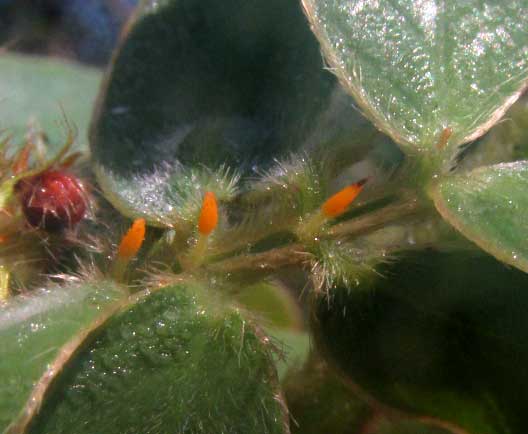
[36,90]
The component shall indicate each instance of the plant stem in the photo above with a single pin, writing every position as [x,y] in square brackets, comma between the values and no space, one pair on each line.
[298,254]
[197,253]
[374,220]
[271,260]
[119,268]
[4,283]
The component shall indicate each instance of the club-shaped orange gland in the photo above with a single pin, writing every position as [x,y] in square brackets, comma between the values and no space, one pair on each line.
[339,202]
[132,241]
[208,215]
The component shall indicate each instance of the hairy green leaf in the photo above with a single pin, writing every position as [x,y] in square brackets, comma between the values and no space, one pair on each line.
[174,361]
[488,206]
[440,335]
[203,91]
[419,68]
[34,328]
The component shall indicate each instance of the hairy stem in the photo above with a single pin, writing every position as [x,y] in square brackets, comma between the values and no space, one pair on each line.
[271,260]
[298,254]
[4,283]
[374,220]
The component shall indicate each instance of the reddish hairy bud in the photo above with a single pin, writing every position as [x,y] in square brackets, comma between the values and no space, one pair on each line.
[53,200]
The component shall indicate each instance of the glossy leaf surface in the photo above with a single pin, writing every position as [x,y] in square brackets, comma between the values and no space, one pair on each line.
[441,335]
[417,68]
[488,205]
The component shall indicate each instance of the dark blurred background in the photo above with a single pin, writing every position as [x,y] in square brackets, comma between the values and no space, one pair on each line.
[83,30]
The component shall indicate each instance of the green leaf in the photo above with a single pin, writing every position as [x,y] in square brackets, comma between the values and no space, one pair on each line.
[176,360]
[441,335]
[34,327]
[320,403]
[273,304]
[34,89]
[404,426]
[202,91]
[417,68]
[294,348]
[488,206]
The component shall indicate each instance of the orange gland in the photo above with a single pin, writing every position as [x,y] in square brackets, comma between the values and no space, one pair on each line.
[132,241]
[208,215]
[339,202]
[444,138]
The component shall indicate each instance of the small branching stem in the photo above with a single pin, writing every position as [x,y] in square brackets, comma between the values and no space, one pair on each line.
[203,257]
[374,220]
[312,227]
[235,241]
[119,268]
[4,283]
[268,261]
[297,254]
[197,253]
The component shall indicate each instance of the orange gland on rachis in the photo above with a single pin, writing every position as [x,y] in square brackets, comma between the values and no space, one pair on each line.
[339,202]
[132,240]
[207,223]
[128,248]
[208,219]
[333,207]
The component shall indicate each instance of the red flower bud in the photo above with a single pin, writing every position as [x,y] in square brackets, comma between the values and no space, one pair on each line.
[53,200]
